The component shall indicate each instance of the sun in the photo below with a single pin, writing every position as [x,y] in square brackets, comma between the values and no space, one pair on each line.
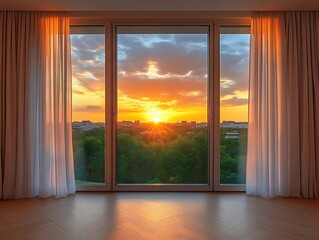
[156,119]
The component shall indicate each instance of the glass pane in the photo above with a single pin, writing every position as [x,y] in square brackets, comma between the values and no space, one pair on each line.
[234,60]
[162,105]
[88,103]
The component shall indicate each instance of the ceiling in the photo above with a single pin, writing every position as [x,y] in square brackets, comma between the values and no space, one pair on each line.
[158,5]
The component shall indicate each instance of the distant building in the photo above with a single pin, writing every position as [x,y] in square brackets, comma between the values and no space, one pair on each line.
[128,123]
[86,125]
[233,124]
[184,123]
[232,135]
[201,125]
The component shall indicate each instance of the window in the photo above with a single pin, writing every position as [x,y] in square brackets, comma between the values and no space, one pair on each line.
[162,87]
[234,71]
[167,111]
[88,104]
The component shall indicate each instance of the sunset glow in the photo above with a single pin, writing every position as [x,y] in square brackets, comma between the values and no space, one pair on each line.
[168,80]
[161,77]
[156,120]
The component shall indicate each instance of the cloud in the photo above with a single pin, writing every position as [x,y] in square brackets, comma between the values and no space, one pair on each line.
[190,94]
[234,63]
[171,53]
[145,104]
[78,92]
[234,102]
[87,75]
[88,109]
[153,72]
[226,83]
[150,40]
[163,72]
[176,64]
[164,106]
[237,98]
[88,64]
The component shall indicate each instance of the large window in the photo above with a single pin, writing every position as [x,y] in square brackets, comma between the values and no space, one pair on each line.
[88,99]
[234,63]
[168,110]
[162,87]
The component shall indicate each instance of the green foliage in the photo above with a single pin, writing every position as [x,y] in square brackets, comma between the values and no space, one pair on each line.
[134,160]
[178,157]
[233,158]
[94,153]
[89,151]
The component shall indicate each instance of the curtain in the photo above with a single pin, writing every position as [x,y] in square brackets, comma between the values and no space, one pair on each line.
[35,118]
[283,135]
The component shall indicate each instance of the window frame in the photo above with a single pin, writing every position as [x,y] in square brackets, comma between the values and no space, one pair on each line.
[108,109]
[163,187]
[213,102]
[218,25]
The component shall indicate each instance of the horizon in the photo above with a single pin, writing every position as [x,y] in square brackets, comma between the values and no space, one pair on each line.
[137,121]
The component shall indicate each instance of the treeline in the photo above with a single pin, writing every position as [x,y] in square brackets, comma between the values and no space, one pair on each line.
[178,158]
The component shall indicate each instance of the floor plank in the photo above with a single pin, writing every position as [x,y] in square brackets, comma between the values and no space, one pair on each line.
[156,216]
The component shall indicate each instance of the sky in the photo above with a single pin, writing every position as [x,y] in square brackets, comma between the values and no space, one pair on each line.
[161,77]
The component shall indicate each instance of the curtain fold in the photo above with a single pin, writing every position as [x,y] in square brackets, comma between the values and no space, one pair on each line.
[283,137]
[35,83]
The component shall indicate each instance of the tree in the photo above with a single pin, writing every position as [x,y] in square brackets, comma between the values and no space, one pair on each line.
[134,160]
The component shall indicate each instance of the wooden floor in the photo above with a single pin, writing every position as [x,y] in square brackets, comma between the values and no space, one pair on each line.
[178,216]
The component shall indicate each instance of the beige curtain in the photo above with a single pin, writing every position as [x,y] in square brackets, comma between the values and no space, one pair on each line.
[283,137]
[35,83]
